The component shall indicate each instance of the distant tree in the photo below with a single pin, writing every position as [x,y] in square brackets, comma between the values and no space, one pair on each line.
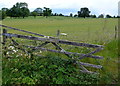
[19,10]
[93,16]
[114,16]
[34,14]
[47,12]
[2,15]
[108,16]
[84,12]
[71,15]
[39,11]
[6,11]
[25,12]
[55,14]
[61,14]
[101,16]
[118,17]
[75,15]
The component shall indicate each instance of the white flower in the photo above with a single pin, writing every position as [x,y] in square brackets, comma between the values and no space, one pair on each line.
[7,53]
[15,51]
[40,51]
[11,47]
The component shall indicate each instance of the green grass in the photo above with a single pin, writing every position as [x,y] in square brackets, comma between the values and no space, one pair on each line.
[78,29]
[96,31]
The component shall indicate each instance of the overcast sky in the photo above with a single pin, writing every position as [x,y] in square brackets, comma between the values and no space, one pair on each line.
[69,6]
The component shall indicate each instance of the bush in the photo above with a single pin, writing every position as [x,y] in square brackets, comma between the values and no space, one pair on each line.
[45,70]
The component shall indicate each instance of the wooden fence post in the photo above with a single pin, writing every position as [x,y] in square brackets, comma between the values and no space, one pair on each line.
[4,37]
[58,33]
[115,32]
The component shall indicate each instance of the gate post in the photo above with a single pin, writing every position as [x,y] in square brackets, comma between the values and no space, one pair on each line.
[4,37]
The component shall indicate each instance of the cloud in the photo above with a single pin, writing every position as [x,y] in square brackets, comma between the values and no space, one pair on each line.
[96,6]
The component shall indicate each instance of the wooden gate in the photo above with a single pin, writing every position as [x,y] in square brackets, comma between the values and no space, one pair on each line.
[55,42]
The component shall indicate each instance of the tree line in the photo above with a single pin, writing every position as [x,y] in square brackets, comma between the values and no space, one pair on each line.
[21,10]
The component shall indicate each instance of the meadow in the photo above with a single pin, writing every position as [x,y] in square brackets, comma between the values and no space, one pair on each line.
[89,30]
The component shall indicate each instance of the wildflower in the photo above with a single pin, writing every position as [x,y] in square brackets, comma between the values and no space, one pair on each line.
[15,51]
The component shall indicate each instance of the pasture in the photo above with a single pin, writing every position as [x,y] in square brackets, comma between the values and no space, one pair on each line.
[90,30]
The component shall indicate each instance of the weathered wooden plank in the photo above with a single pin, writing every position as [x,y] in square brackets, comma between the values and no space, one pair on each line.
[58,47]
[84,70]
[43,44]
[88,72]
[53,40]
[79,44]
[97,50]
[29,37]
[90,65]
[25,31]
[65,52]
[21,30]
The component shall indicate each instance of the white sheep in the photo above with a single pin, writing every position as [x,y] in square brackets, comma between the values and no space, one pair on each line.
[63,34]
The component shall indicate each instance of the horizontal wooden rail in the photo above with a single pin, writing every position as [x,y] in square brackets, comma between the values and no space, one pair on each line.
[90,65]
[72,53]
[52,40]
[29,37]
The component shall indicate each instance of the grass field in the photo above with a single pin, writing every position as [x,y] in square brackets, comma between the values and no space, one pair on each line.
[90,30]
[77,29]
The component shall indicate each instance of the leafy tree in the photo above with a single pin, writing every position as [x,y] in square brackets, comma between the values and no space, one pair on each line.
[19,10]
[34,14]
[108,16]
[5,10]
[84,12]
[101,16]
[25,12]
[61,14]
[71,15]
[93,16]
[2,15]
[55,14]
[75,15]
[39,11]
[47,12]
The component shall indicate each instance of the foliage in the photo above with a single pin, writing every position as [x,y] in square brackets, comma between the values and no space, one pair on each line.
[33,14]
[2,15]
[47,12]
[101,16]
[84,12]
[108,16]
[39,11]
[71,15]
[93,16]
[43,70]
[19,10]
